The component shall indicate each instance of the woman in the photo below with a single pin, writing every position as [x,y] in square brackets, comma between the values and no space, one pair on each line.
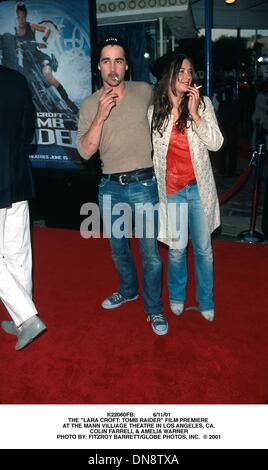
[184,128]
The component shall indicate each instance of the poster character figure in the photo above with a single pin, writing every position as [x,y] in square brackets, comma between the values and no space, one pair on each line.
[33,61]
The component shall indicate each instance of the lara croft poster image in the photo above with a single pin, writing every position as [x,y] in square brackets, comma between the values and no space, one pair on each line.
[49,43]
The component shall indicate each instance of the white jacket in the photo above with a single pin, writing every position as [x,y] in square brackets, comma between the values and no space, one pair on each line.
[207,136]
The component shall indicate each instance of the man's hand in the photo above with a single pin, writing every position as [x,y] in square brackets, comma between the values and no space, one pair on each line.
[107,102]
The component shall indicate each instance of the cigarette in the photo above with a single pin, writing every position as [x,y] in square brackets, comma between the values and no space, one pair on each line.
[199,86]
[117,79]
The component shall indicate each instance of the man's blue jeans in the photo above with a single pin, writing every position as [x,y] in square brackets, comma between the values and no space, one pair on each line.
[134,195]
[203,256]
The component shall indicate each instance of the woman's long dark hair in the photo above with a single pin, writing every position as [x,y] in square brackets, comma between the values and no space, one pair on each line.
[162,103]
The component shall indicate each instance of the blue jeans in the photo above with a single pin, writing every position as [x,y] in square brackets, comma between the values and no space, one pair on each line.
[134,195]
[203,256]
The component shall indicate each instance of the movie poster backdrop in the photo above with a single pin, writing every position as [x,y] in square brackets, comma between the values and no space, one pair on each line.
[49,43]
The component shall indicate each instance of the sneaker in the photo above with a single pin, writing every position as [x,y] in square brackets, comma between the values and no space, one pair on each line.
[176,307]
[159,323]
[115,300]
[208,314]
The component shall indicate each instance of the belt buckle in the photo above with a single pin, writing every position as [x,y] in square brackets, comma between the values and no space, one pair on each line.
[121,180]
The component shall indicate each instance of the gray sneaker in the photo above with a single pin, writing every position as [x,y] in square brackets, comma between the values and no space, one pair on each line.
[115,300]
[176,307]
[159,323]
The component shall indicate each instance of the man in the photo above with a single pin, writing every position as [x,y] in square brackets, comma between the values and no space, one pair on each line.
[16,186]
[114,120]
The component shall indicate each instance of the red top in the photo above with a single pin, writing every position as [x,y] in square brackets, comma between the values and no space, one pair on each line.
[179,164]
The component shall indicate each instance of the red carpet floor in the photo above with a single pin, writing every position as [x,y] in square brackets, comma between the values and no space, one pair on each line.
[90,355]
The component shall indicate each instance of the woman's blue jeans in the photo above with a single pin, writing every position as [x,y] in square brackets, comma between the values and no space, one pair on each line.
[203,256]
[144,221]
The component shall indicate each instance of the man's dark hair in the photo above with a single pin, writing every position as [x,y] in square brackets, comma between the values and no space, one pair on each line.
[113,41]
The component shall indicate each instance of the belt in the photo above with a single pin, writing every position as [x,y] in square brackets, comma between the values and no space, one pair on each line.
[191,183]
[131,176]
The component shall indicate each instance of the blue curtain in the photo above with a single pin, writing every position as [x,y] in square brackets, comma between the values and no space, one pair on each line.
[134,36]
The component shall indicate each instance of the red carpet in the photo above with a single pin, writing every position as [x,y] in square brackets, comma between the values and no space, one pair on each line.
[89,355]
